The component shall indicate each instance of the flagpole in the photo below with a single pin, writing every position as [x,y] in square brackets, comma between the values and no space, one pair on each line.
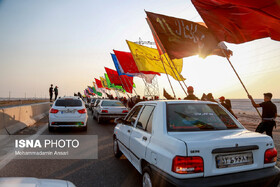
[167,76]
[131,85]
[162,49]
[178,72]
[175,74]
[239,78]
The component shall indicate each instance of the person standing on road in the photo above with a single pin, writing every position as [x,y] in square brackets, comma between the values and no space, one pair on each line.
[51,92]
[55,92]
[269,113]
[227,104]
[190,96]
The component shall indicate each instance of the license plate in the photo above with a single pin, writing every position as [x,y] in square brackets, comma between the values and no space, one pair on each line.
[68,111]
[234,160]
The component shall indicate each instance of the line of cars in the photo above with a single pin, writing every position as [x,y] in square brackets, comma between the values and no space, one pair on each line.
[180,143]
[72,112]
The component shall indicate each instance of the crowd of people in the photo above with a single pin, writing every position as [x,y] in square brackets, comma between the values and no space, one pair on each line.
[269,109]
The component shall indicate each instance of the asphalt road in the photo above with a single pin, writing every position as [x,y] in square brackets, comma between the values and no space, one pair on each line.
[104,171]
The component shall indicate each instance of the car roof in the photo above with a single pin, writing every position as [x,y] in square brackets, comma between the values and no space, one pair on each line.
[177,102]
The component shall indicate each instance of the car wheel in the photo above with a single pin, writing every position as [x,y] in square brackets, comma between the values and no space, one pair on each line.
[84,128]
[51,129]
[147,180]
[117,152]
[99,119]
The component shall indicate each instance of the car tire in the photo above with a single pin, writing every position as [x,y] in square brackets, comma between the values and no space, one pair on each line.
[51,129]
[99,120]
[116,150]
[147,177]
[84,128]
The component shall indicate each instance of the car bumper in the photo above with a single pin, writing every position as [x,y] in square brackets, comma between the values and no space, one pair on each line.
[262,177]
[68,123]
[111,116]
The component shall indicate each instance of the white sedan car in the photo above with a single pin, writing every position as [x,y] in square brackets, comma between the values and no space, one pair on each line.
[194,143]
[68,112]
[109,109]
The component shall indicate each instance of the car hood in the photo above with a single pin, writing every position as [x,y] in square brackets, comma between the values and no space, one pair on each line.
[33,182]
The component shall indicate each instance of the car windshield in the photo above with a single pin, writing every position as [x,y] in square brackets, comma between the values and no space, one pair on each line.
[68,102]
[198,117]
[111,103]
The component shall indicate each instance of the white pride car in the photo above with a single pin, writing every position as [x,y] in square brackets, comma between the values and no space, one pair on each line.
[194,143]
[68,112]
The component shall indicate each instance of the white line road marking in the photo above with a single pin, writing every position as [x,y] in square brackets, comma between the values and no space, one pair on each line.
[10,155]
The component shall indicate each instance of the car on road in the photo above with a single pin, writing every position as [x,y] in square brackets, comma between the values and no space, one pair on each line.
[109,109]
[194,143]
[68,112]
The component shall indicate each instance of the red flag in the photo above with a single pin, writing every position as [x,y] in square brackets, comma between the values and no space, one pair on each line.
[128,64]
[241,21]
[98,83]
[127,83]
[181,38]
[113,76]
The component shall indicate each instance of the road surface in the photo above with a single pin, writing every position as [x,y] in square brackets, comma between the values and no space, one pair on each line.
[104,171]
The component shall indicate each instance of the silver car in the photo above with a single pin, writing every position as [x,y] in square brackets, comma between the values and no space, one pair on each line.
[109,109]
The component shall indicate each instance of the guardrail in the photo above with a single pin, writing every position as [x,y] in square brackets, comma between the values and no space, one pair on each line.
[13,119]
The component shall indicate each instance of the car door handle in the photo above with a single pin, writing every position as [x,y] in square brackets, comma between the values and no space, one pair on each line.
[144,138]
[128,131]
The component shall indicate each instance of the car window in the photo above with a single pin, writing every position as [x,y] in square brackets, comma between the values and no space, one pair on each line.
[144,117]
[93,100]
[131,118]
[150,123]
[198,117]
[68,102]
[111,103]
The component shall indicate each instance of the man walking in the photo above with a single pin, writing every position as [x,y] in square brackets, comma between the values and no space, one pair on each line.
[55,92]
[51,92]
[269,113]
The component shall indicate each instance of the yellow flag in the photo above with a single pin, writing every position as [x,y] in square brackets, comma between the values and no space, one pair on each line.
[103,82]
[148,59]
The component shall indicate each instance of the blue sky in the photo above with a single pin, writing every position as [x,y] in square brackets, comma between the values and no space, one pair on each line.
[68,43]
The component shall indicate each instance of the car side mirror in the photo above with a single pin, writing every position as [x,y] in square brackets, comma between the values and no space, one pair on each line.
[51,105]
[119,120]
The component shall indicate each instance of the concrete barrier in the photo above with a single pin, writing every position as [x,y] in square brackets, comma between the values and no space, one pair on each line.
[13,119]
